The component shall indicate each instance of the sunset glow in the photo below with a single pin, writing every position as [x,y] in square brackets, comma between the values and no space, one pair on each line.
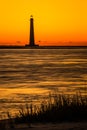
[55,22]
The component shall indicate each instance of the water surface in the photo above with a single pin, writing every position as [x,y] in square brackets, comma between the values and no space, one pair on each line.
[30,74]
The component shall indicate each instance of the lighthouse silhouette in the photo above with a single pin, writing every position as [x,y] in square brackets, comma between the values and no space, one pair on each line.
[32,39]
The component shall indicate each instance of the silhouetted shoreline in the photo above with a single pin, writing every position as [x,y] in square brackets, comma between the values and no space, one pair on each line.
[43,47]
[60,112]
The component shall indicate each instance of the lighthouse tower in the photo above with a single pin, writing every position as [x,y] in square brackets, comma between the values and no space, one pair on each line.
[31,43]
[31,40]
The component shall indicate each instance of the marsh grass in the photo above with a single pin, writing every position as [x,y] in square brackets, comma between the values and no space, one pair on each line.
[10,123]
[58,108]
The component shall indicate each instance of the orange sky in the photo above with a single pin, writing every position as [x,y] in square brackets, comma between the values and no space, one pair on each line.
[55,21]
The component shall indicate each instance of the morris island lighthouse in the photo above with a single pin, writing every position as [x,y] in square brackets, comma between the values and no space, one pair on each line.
[31,34]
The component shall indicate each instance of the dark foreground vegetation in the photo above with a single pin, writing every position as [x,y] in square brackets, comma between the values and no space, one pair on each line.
[58,108]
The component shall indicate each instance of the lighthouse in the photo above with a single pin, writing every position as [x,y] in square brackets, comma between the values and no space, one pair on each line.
[31,40]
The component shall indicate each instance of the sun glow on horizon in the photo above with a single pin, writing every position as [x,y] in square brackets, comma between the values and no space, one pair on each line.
[55,22]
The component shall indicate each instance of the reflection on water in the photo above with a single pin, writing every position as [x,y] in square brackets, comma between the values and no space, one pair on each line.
[27,75]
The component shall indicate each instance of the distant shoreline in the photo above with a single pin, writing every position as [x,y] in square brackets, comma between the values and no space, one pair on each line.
[43,47]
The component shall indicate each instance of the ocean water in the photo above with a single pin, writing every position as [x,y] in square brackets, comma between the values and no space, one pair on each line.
[28,75]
